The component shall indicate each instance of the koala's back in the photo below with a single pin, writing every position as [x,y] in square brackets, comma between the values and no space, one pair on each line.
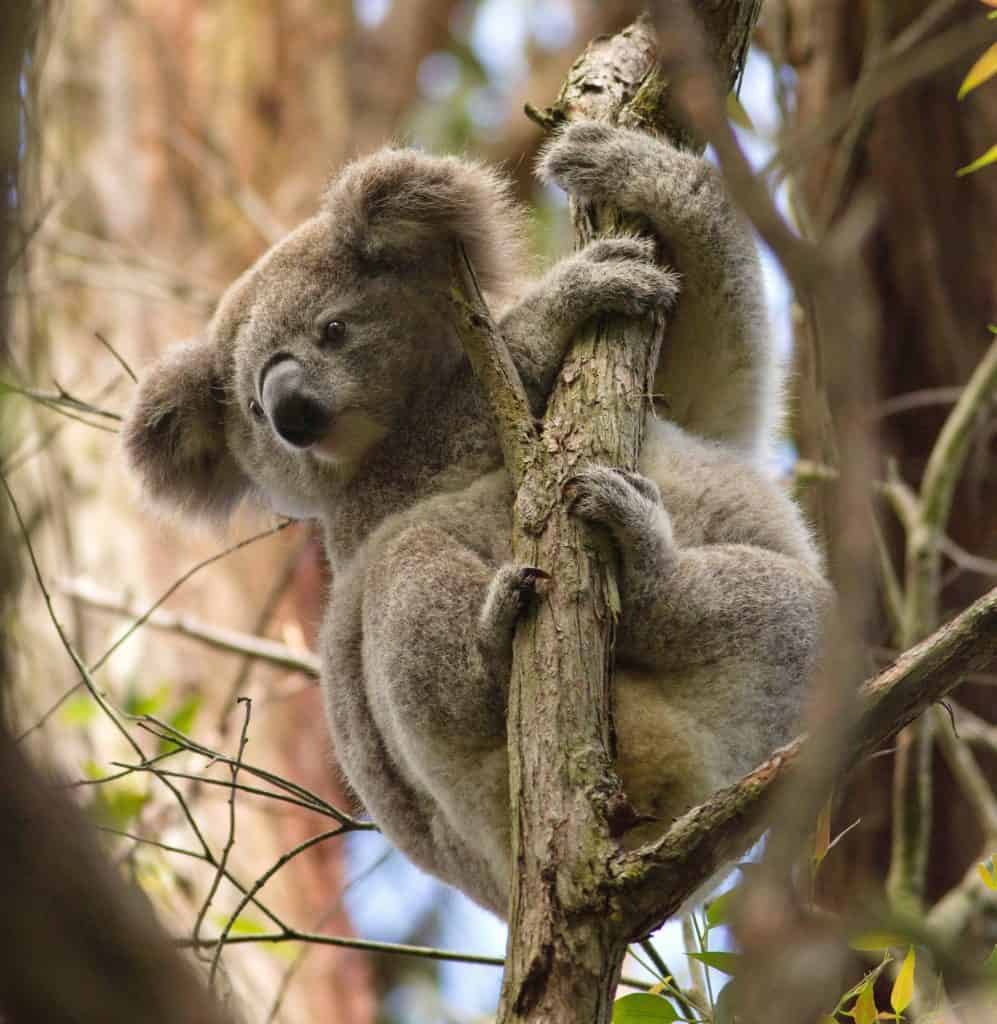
[419,724]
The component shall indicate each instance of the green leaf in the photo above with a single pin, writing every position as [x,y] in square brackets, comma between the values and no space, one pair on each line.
[989,157]
[242,925]
[726,962]
[865,1011]
[137,703]
[182,720]
[117,806]
[642,1008]
[866,982]
[718,911]
[984,69]
[78,710]
[903,988]
[990,964]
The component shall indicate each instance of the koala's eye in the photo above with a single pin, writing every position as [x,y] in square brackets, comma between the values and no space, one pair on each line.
[333,332]
[256,409]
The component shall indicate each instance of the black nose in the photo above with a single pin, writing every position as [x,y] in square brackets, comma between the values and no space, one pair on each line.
[299,417]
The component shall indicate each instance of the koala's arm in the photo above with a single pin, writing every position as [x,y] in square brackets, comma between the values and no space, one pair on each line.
[718,372]
[611,275]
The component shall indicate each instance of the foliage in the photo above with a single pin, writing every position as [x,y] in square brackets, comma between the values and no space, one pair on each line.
[983,70]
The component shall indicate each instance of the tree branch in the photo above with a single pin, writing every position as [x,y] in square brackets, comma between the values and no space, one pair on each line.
[231,640]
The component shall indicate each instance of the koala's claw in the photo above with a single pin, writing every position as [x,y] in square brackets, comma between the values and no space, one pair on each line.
[529,574]
[511,591]
[611,496]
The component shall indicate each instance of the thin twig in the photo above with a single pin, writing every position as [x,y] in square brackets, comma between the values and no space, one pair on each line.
[169,732]
[164,773]
[966,560]
[180,581]
[911,401]
[117,355]
[253,648]
[262,621]
[975,785]
[896,72]
[974,729]
[229,843]
[284,858]
[145,615]
[194,855]
[298,962]
[293,935]
[86,678]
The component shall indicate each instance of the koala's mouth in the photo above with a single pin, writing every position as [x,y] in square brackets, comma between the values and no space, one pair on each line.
[351,435]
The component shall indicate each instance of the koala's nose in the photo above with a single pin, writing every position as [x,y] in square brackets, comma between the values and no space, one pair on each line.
[300,418]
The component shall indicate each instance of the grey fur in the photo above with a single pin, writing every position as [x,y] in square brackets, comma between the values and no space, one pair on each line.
[721,585]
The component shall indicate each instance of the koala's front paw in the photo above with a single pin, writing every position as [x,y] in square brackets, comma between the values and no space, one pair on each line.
[614,497]
[619,247]
[510,592]
[587,159]
[619,275]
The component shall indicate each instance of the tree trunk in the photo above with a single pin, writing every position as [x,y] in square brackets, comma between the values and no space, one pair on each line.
[567,934]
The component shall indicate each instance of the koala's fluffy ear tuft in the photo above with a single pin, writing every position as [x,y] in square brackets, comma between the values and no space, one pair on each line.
[399,205]
[174,435]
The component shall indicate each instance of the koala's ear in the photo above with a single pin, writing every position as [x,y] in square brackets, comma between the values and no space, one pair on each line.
[399,205]
[174,435]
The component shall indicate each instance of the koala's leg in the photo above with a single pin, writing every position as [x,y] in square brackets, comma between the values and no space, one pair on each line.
[611,275]
[730,631]
[509,593]
[437,630]
[718,371]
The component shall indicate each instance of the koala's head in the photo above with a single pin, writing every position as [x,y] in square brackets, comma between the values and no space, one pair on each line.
[316,353]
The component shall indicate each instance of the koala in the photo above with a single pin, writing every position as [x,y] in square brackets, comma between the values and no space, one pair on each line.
[330,384]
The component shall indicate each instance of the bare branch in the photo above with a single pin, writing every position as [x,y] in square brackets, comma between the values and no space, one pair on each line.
[217,637]
[493,366]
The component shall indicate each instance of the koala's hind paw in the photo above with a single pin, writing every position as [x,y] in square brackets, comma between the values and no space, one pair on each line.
[619,275]
[613,497]
[511,591]
[587,159]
